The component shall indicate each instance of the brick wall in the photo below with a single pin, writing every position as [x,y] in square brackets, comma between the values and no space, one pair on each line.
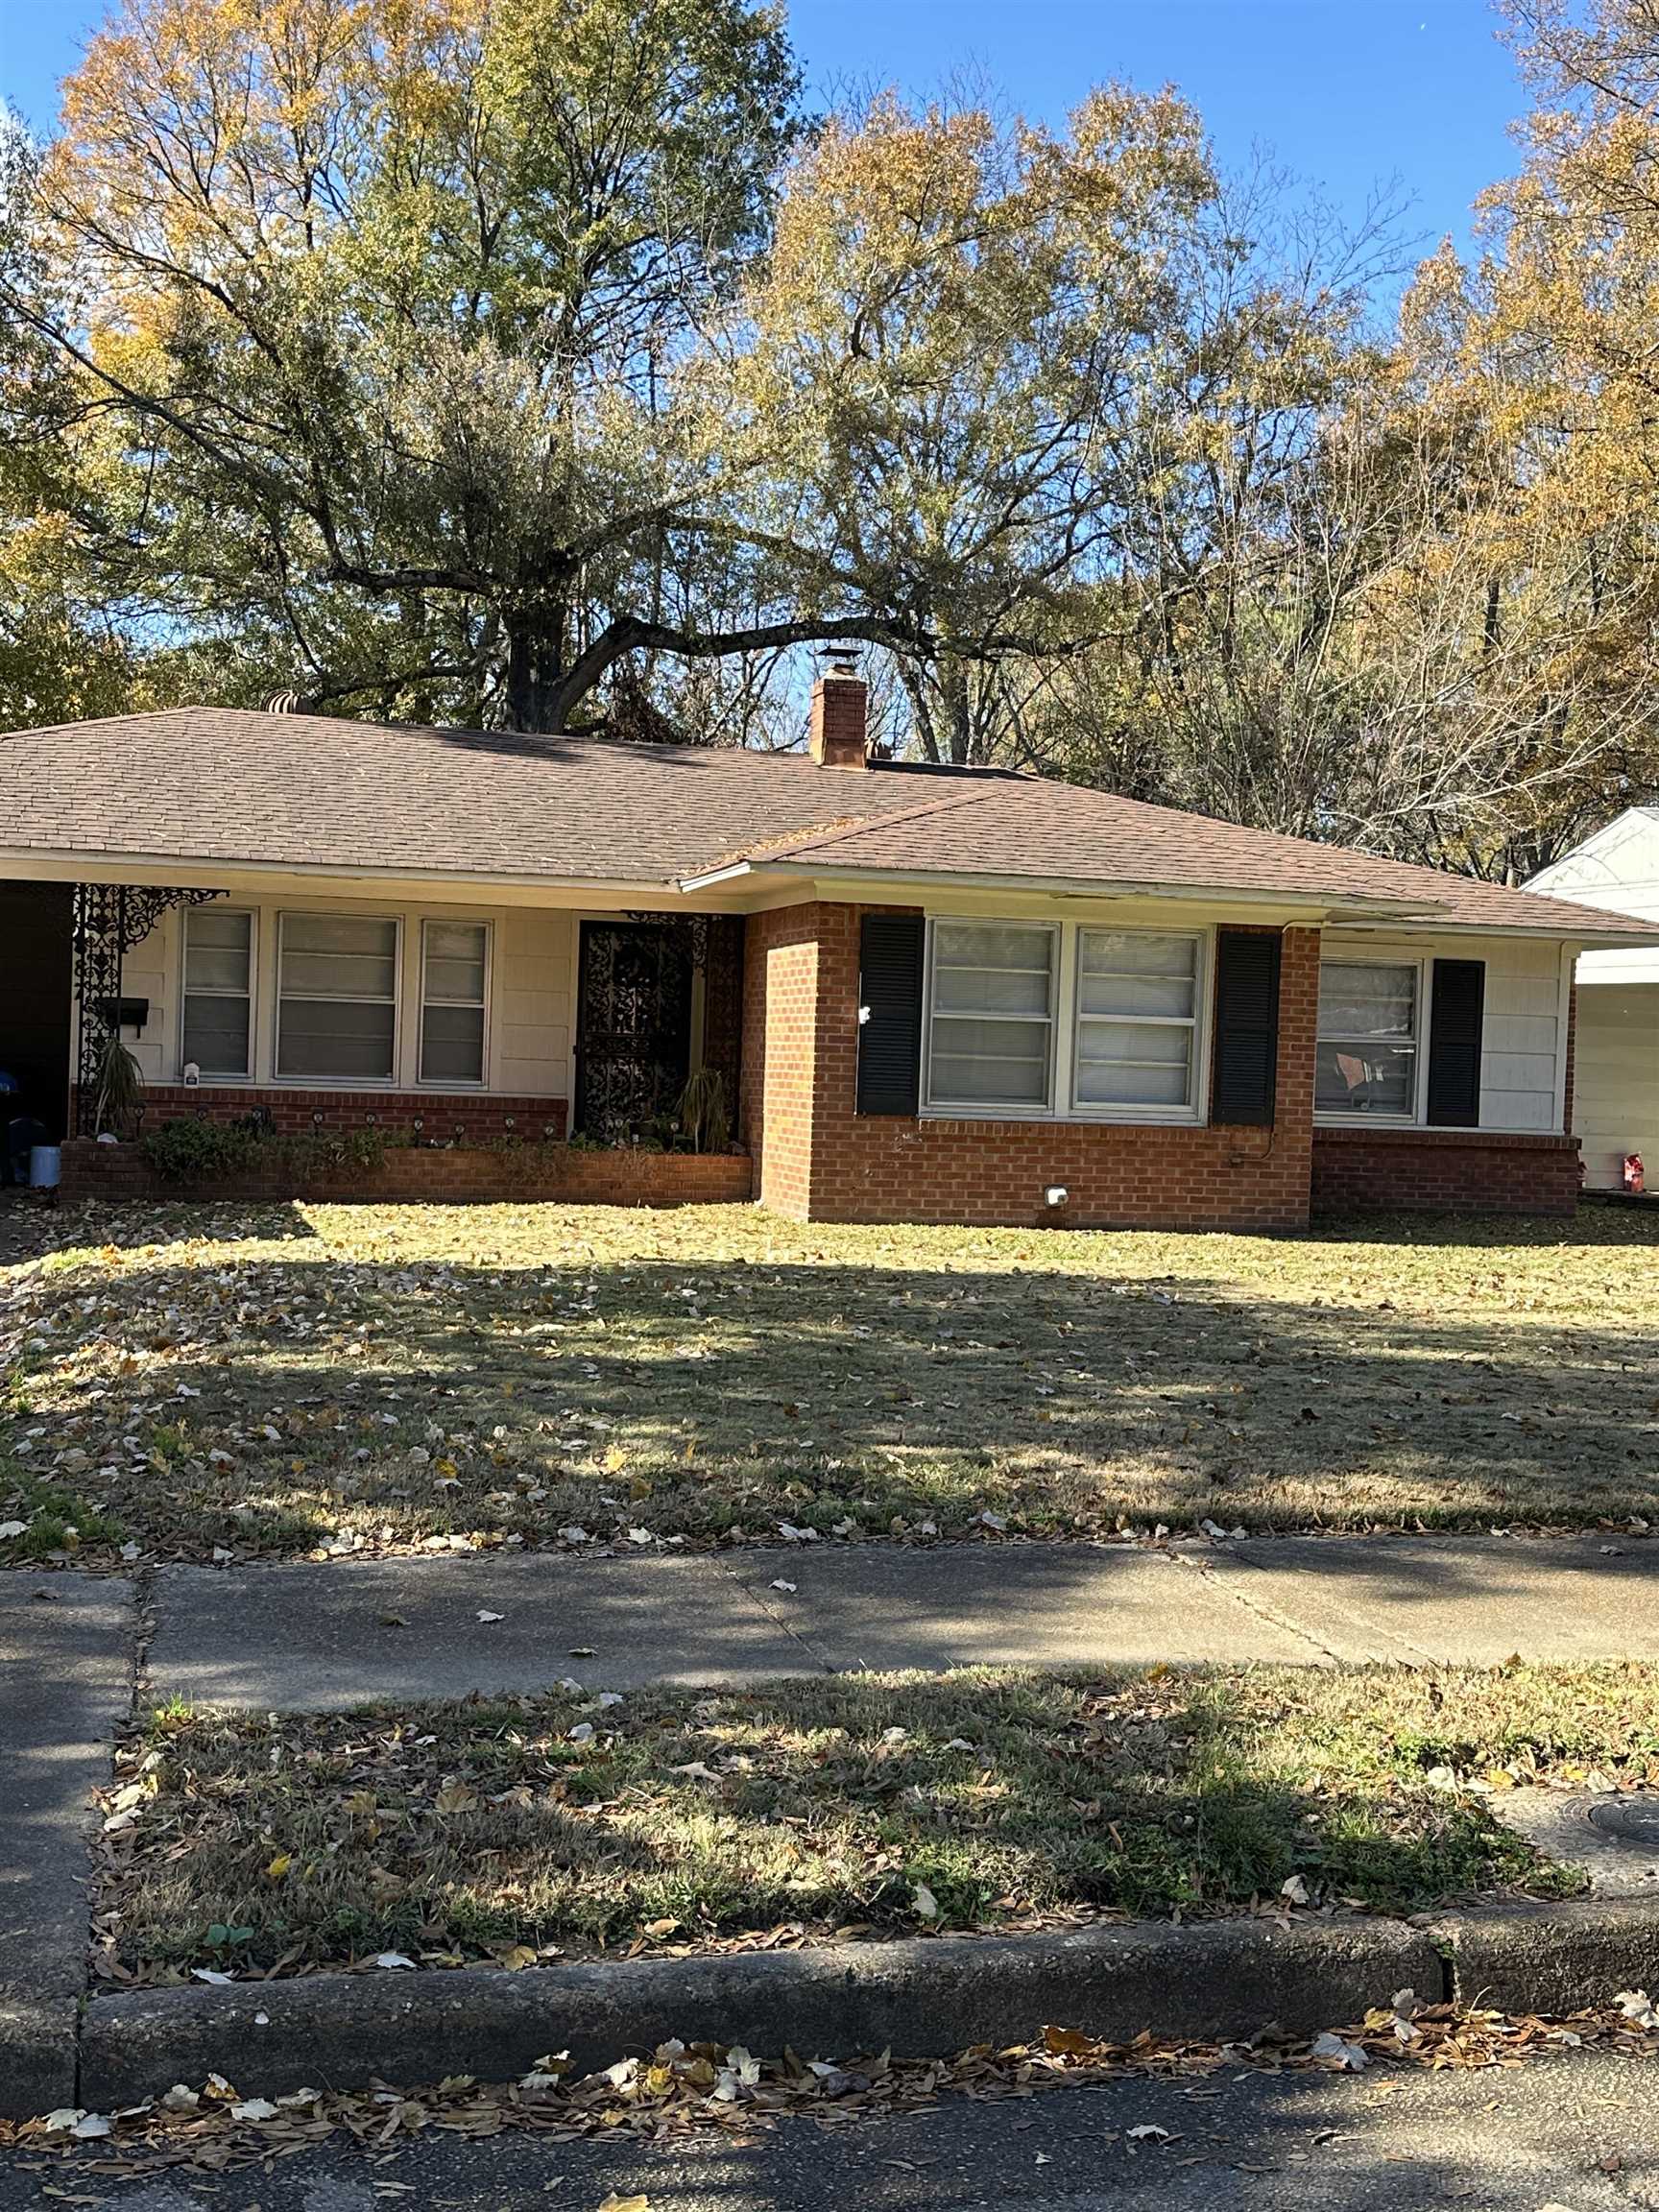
[1443,1171]
[437,1175]
[779,1046]
[819,1160]
[441,1116]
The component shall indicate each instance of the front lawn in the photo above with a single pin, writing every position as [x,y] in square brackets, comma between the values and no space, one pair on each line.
[310,1377]
[804,1809]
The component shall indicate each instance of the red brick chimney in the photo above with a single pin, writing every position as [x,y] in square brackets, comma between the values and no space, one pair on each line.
[841,717]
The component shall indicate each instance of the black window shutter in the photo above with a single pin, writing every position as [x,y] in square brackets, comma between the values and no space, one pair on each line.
[1455,1026]
[1246,1060]
[890,957]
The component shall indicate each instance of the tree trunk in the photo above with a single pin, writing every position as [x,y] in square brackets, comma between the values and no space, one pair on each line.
[536,693]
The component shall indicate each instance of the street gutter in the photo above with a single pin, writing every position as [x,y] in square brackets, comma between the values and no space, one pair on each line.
[1217,1981]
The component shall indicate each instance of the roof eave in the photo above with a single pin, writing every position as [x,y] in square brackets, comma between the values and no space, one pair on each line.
[52,864]
[764,875]
[761,876]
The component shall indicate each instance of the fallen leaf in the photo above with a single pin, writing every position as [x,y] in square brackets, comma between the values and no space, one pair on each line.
[1350,2058]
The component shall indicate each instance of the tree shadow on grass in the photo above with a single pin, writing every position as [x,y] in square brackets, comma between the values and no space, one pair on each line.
[212,1403]
[998,1799]
[1592,1225]
[29,1230]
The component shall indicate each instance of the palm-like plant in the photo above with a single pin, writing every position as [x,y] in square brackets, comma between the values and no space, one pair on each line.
[704,1114]
[120,1097]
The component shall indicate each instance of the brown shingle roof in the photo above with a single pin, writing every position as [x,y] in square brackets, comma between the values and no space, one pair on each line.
[1020,826]
[308,790]
[207,784]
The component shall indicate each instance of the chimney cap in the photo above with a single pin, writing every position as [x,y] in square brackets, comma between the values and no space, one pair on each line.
[840,660]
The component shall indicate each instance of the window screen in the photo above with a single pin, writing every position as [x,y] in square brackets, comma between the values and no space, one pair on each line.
[337,996]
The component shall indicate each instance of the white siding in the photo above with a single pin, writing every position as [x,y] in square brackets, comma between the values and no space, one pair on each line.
[151,970]
[1521,1073]
[1616,1069]
[1616,1081]
[532,1012]
[529,1011]
[1617,869]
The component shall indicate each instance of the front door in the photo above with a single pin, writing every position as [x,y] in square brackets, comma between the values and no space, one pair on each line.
[632,1029]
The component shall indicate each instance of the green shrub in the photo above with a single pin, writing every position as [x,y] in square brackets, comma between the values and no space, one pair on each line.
[196,1150]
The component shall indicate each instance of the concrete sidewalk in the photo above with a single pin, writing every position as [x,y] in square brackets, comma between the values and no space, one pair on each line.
[325,1637]
[65,1658]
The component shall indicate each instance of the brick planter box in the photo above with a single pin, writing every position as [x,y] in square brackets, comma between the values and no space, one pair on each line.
[420,1175]
[1443,1171]
[434,1117]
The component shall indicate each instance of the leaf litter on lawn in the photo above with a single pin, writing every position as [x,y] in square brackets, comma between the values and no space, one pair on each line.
[681,2089]
[329,1381]
[828,1810]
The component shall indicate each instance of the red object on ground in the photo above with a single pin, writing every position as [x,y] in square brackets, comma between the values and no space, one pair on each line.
[1635,1175]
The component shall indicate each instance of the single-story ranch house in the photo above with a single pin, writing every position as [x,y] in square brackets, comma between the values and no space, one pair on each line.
[932,995]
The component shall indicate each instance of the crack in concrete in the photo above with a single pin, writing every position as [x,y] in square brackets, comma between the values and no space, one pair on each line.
[1259,1608]
[774,1615]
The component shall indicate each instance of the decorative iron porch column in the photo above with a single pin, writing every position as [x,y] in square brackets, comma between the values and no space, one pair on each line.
[110,920]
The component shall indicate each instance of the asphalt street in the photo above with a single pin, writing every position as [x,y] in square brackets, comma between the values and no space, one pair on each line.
[1578,2133]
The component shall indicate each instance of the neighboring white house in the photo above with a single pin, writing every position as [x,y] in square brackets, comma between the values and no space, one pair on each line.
[1616,1068]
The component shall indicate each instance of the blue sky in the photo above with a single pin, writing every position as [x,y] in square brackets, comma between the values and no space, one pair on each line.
[1351,95]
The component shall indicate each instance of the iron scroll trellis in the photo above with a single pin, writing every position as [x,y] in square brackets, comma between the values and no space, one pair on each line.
[110,920]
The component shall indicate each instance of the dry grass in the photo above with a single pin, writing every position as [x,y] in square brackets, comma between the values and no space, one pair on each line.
[803,1808]
[290,1379]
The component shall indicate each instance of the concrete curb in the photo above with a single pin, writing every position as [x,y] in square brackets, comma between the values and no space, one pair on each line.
[916,1998]
[37,2055]
[1221,1979]
[1551,1958]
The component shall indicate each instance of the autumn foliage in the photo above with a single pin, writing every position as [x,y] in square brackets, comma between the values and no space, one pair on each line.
[543,363]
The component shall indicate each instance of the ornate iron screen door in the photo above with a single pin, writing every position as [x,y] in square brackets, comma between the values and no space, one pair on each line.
[633,1026]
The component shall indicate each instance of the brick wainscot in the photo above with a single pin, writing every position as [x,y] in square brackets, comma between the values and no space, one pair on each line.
[1443,1171]
[440,1150]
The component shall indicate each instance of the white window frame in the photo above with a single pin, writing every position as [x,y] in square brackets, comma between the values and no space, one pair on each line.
[481,1081]
[1330,1117]
[1193,1113]
[978,1110]
[1060,1105]
[210,1078]
[340,1082]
